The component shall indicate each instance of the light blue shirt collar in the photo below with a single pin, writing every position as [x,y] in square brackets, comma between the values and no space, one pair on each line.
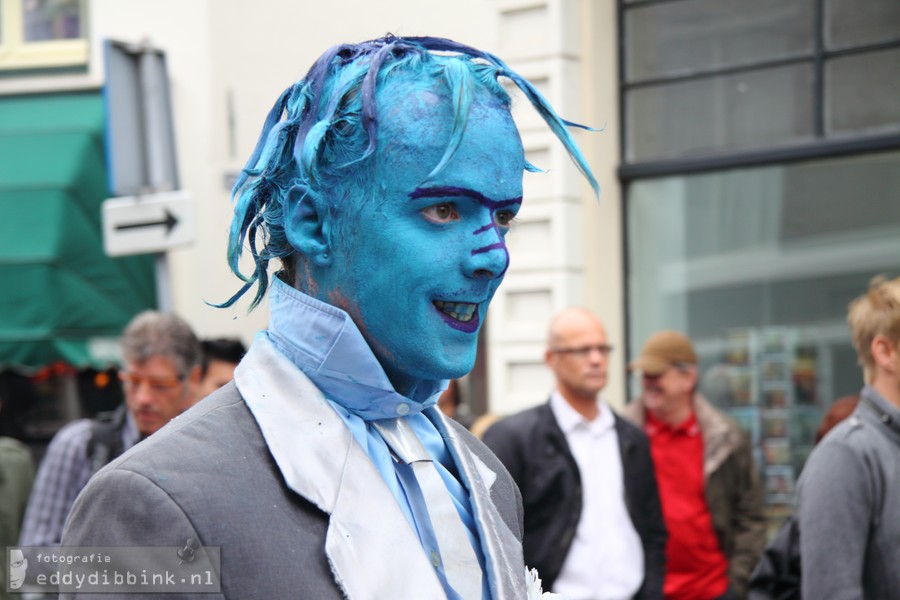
[325,343]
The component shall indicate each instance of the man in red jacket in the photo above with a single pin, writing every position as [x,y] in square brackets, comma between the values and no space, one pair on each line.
[709,486]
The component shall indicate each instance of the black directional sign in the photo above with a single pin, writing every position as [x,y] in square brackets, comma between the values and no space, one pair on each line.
[168,221]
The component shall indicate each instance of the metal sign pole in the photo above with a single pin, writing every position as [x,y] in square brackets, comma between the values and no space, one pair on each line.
[163,286]
[154,94]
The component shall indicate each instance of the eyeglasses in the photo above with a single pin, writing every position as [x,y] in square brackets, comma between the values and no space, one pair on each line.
[584,351]
[157,384]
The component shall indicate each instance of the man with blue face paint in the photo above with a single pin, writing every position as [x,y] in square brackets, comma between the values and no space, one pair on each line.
[384,182]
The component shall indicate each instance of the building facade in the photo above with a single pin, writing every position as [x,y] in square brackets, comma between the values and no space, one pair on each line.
[748,157]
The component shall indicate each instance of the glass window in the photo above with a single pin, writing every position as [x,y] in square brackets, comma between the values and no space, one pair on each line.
[862,91]
[677,38]
[51,19]
[702,116]
[705,233]
[856,22]
[42,33]
[757,266]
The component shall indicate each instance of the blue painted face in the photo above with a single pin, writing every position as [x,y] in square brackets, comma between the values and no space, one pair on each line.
[419,263]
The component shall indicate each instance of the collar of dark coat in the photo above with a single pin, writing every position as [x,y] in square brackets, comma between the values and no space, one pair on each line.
[720,434]
[557,437]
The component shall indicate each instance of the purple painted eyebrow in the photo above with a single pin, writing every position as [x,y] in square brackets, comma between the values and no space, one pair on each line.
[444,191]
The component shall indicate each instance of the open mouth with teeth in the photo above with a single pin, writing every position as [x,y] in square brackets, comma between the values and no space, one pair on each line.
[459,315]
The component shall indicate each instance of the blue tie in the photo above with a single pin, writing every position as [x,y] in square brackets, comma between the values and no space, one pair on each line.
[460,563]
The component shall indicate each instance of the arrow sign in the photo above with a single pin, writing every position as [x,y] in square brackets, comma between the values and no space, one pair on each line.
[148,223]
[169,221]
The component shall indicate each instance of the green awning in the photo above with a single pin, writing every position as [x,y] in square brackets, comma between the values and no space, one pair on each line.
[63,299]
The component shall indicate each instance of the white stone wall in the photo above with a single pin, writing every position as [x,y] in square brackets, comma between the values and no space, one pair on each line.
[566,248]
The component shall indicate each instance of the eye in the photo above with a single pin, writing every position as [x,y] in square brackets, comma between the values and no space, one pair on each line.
[441,213]
[504,218]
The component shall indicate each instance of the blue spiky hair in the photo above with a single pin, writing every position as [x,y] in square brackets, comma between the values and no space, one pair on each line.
[323,129]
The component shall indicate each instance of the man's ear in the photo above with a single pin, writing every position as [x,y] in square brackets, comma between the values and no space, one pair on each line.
[548,358]
[195,375]
[307,224]
[691,377]
[883,351]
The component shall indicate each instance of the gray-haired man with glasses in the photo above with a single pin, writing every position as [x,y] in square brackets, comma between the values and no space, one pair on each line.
[593,522]
[160,374]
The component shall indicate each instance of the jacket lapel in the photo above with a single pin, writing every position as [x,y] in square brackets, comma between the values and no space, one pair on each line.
[504,561]
[553,432]
[626,442]
[370,545]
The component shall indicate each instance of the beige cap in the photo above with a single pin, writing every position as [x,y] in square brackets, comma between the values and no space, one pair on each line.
[663,350]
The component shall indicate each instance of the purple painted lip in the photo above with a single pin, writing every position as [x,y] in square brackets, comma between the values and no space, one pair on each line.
[470,326]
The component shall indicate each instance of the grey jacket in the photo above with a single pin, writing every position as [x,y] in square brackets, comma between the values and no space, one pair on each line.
[849,507]
[209,475]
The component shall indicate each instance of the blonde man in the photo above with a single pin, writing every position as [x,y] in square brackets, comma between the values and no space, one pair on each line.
[847,497]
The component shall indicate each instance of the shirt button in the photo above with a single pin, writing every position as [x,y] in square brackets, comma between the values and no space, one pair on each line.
[435,559]
[402,409]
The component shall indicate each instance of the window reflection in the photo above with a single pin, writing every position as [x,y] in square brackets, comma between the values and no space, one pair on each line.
[51,19]
[757,266]
[679,38]
[851,23]
[756,109]
[877,110]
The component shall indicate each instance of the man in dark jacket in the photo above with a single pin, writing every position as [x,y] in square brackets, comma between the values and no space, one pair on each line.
[593,523]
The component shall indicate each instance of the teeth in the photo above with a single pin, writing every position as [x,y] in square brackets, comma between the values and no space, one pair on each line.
[461,311]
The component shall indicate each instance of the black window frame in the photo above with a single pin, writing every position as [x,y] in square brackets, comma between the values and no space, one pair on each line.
[821,146]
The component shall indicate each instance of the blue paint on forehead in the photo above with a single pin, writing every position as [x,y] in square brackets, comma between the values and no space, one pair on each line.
[323,128]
